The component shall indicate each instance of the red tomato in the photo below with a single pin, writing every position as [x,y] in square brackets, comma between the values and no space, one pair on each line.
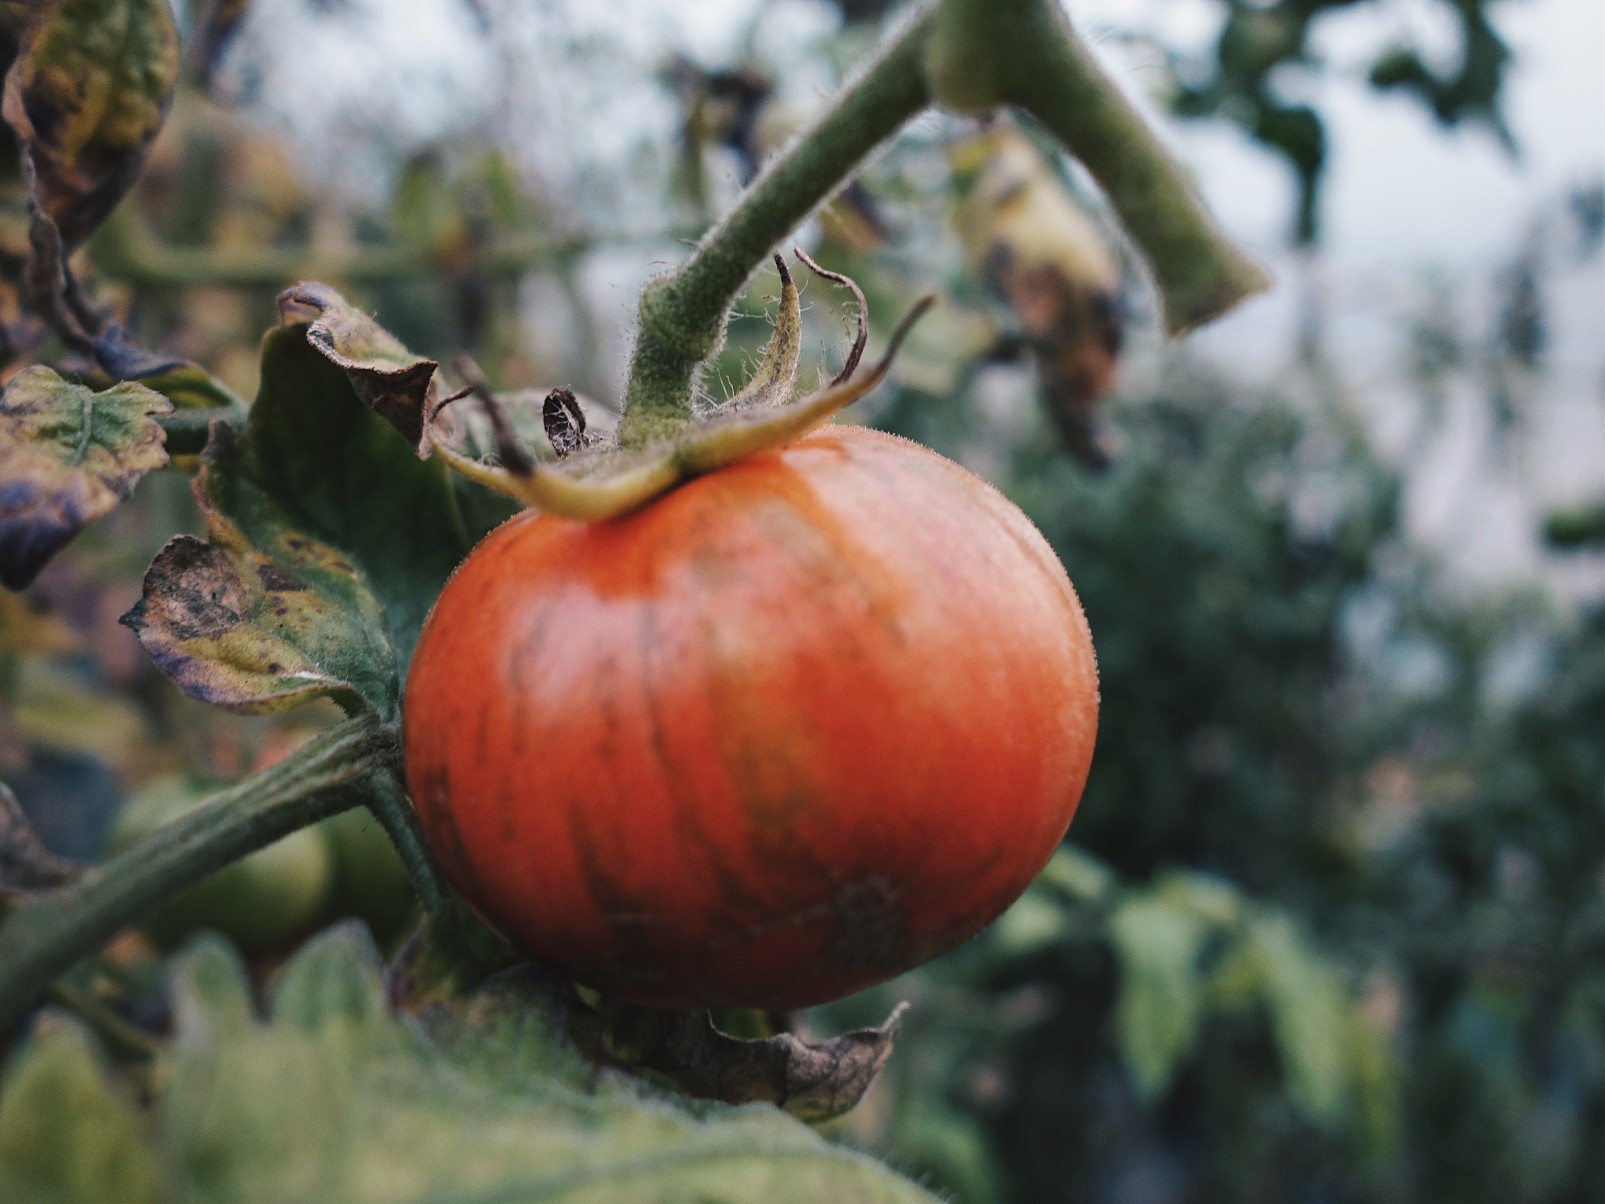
[793,728]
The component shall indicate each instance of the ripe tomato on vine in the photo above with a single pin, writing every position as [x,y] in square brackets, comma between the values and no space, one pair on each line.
[793,728]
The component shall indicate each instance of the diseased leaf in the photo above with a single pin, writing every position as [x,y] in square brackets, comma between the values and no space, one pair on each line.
[67,456]
[188,386]
[314,460]
[256,633]
[1033,243]
[27,868]
[332,1098]
[85,96]
[66,1135]
[389,379]
[328,541]
[1161,1001]
[811,1081]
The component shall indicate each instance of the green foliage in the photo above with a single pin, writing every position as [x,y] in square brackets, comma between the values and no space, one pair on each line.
[1385,982]
[67,1134]
[1260,42]
[332,1098]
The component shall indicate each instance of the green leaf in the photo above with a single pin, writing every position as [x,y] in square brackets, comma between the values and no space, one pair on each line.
[1310,1016]
[86,95]
[68,456]
[328,541]
[1078,875]
[483,1100]
[1161,997]
[66,1134]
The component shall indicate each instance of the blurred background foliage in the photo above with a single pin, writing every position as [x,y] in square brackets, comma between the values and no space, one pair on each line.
[1331,922]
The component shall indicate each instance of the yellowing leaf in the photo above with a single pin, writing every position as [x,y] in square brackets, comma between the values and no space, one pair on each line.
[67,456]
[85,96]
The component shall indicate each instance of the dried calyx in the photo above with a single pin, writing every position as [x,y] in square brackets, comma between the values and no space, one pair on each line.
[595,478]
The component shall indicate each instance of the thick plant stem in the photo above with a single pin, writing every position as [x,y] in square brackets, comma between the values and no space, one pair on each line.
[682,315]
[329,774]
[1044,68]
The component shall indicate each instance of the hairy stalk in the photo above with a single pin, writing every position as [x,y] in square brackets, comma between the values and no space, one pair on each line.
[682,315]
[331,773]
[971,56]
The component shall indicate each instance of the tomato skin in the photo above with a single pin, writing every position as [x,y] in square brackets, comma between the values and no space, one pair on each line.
[795,727]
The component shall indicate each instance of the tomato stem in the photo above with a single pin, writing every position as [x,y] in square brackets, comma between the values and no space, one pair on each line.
[393,809]
[682,315]
[1048,71]
[970,56]
[331,773]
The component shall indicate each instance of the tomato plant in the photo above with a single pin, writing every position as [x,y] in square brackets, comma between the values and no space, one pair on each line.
[793,728]
[752,713]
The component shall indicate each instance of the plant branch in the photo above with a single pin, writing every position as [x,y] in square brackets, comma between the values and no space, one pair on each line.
[331,773]
[682,315]
[1031,55]
[125,249]
[394,811]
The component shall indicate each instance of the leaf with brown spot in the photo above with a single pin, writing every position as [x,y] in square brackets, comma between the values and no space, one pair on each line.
[255,633]
[328,540]
[27,868]
[813,1082]
[389,379]
[68,455]
[87,93]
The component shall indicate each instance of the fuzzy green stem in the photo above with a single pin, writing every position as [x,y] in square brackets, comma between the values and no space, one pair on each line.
[1044,68]
[329,774]
[682,315]
[394,811]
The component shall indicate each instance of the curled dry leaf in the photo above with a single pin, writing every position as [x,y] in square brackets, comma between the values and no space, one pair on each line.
[27,868]
[86,95]
[255,632]
[595,477]
[814,1082]
[1027,236]
[389,379]
[68,455]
